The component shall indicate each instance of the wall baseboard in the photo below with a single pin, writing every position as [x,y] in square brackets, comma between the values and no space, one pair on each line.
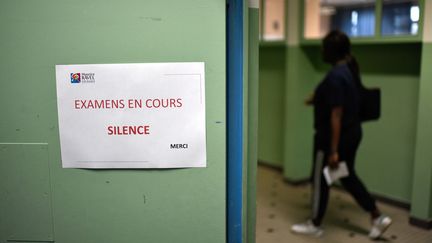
[298,182]
[279,169]
[269,165]
[421,223]
[393,202]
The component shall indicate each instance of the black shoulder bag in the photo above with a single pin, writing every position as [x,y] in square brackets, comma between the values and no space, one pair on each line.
[370,104]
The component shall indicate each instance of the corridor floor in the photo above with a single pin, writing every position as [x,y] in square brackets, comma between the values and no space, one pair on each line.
[279,205]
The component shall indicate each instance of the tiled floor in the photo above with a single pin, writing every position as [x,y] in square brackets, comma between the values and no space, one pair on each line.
[281,205]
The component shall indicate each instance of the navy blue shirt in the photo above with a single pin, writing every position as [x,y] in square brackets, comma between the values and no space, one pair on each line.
[337,89]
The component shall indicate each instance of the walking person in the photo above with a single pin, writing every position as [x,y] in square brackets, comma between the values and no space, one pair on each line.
[338,133]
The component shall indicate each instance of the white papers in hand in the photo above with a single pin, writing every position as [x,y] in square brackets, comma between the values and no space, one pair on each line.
[332,175]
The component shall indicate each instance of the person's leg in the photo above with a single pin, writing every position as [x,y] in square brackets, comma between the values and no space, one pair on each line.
[356,188]
[359,192]
[320,189]
[320,192]
[352,183]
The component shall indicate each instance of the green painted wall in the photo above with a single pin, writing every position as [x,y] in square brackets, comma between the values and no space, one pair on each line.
[271,105]
[387,144]
[75,205]
[301,78]
[422,179]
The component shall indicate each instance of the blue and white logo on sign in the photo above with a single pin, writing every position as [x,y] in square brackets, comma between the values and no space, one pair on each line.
[75,78]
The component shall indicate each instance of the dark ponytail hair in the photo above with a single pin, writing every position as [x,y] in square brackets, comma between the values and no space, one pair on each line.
[337,47]
[355,69]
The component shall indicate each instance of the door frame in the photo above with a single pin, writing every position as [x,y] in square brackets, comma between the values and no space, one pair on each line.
[235,143]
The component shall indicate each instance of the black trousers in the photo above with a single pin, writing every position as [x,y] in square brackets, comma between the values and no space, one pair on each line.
[349,143]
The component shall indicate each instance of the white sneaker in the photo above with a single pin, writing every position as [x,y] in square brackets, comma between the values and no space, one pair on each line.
[307,228]
[379,225]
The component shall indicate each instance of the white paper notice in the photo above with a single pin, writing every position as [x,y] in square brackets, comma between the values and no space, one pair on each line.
[148,115]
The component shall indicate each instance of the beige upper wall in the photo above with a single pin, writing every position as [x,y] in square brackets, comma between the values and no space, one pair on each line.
[427,22]
[292,29]
[274,23]
[312,21]
[253,3]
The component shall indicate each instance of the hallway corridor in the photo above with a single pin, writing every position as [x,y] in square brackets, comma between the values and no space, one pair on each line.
[279,205]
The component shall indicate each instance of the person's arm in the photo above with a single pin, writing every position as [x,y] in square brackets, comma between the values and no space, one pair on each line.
[335,122]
